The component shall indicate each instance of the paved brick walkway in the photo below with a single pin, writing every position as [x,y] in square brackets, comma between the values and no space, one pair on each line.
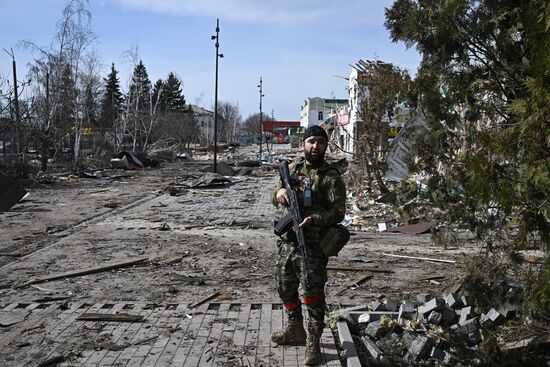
[213,334]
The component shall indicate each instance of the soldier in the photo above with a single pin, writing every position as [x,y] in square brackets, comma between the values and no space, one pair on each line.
[322,197]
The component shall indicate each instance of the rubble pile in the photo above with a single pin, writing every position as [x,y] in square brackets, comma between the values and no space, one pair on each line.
[447,330]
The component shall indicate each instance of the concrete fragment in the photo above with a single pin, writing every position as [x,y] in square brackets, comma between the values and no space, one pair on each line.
[434,317]
[375,330]
[372,348]
[466,313]
[465,301]
[419,349]
[474,338]
[377,306]
[442,355]
[485,321]
[369,316]
[509,310]
[448,315]
[496,317]
[435,304]
[423,297]
[346,341]
[391,305]
[407,311]
[467,327]
[452,300]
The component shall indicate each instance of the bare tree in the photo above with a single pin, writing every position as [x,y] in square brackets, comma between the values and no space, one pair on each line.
[229,121]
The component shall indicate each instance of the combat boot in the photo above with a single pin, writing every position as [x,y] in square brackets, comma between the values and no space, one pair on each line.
[313,347]
[293,334]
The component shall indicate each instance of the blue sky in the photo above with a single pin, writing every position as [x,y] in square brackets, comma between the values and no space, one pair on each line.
[300,49]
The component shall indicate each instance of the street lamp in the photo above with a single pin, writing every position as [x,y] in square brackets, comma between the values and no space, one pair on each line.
[261,119]
[218,55]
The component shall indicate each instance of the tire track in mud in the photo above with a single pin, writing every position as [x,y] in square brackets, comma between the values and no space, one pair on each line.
[73,229]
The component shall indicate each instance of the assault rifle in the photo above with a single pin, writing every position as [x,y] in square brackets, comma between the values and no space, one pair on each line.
[294,215]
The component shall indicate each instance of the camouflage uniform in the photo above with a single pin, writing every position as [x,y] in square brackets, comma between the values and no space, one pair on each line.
[327,209]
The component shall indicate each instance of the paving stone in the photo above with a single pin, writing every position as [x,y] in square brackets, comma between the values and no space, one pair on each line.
[442,355]
[372,348]
[496,317]
[448,315]
[419,349]
[375,330]
[435,304]
[407,311]
[509,310]
[435,317]
[392,305]
[377,306]
[466,327]
[453,300]
[466,313]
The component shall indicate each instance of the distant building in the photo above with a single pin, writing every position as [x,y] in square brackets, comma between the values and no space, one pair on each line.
[277,131]
[317,110]
[205,123]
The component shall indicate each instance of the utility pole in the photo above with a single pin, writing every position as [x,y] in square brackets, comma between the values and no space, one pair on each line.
[218,55]
[261,118]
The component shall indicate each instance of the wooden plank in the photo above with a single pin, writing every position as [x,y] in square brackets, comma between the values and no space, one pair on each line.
[355,282]
[226,335]
[264,335]
[121,317]
[95,357]
[214,338]
[252,329]
[181,336]
[93,270]
[239,336]
[206,299]
[420,258]
[54,339]
[144,339]
[277,315]
[362,268]
[123,334]
[199,345]
[172,318]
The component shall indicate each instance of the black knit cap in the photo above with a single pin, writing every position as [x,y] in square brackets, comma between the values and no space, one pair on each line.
[315,130]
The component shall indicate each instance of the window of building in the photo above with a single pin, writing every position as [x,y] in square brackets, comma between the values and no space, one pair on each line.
[320,116]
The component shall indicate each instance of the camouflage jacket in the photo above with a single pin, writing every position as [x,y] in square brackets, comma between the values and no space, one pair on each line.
[328,197]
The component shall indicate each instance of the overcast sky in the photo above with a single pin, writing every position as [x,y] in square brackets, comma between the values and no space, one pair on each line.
[301,48]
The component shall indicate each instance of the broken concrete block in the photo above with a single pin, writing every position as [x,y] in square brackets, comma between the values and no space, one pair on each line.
[509,310]
[375,330]
[435,304]
[485,321]
[407,311]
[370,316]
[391,305]
[496,317]
[442,355]
[448,315]
[419,349]
[377,306]
[434,317]
[372,348]
[452,300]
[423,297]
[466,313]
[468,326]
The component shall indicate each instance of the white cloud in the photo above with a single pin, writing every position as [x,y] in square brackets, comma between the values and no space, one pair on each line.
[275,11]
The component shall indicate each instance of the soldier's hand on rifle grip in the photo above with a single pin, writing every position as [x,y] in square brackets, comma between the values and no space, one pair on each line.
[306,222]
[282,197]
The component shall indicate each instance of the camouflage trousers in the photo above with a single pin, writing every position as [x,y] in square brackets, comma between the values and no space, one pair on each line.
[290,274]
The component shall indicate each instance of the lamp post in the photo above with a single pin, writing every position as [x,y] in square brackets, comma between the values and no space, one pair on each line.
[218,55]
[261,119]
